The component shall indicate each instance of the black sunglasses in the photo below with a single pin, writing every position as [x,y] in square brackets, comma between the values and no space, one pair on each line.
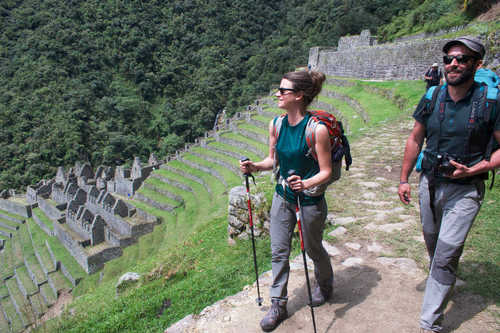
[282,90]
[461,59]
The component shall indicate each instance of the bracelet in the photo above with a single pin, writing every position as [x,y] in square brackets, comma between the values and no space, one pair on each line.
[401,183]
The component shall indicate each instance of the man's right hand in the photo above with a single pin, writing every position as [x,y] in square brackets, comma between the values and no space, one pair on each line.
[404,192]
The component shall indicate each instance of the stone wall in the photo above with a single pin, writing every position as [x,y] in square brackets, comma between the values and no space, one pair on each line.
[406,60]
[15,208]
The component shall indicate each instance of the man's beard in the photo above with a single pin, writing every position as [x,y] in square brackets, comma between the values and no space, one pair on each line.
[465,75]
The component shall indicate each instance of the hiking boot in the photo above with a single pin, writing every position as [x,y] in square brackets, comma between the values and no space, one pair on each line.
[276,314]
[320,295]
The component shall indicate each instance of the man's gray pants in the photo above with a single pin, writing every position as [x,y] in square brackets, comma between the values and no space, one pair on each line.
[455,208]
[283,220]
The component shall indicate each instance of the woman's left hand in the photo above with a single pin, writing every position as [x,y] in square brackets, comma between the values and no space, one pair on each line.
[295,183]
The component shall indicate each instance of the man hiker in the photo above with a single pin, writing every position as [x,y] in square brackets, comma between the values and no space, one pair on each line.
[433,76]
[459,133]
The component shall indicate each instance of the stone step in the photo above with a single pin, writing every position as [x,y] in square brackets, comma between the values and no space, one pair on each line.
[4,322]
[57,282]
[38,304]
[142,198]
[164,192]
[351,102]
[24,282]
[36,215]
[172,182]
[241,145]
[21,304]
[10,218]
[15,322]
[8,226]
[48,295]
[233,168]
[205,169]
[35,270]
[251,134]
[186,175]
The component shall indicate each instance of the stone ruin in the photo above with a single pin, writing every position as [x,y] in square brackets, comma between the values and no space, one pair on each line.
[238,217]
[350,42]
[86,212]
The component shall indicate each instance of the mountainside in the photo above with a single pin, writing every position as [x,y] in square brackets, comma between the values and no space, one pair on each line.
[104,81]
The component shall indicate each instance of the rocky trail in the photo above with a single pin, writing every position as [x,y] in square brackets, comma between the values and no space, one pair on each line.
[378,257]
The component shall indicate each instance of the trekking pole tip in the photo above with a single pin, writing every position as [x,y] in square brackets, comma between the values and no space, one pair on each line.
[259,300]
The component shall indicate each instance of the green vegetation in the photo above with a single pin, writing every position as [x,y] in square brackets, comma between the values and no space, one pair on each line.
[432,16]
[104,81]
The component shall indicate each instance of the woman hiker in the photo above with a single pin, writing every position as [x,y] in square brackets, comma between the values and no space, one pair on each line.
[297,90]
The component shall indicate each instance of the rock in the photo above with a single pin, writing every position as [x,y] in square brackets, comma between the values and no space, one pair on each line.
[238,215]
[369,195]
[181,325]
[126,280]
[353,246]
[332,250]
[338,232]
[390,227]
[369,184]
[404,264]
[343,220]
[350,262]
[374,247]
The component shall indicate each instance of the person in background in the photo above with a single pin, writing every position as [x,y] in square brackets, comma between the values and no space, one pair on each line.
[454,166]
[297,90]
[433,76]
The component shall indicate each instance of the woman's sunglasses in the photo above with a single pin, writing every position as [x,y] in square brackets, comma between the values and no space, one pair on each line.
[282,90]
[461,59]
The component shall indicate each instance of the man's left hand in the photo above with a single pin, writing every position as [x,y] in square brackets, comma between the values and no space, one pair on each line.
[461,170]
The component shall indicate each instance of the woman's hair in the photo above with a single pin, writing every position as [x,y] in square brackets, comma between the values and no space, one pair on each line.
[309,82]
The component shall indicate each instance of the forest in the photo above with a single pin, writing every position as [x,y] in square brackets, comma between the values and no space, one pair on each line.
[104,81]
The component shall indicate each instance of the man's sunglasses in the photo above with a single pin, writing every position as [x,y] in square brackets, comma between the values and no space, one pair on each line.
[461,59]
[282,90]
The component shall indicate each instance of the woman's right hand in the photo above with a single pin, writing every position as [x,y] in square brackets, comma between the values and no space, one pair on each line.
[247,167]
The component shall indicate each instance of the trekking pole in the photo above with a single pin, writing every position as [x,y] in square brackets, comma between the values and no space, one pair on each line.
[248,174]
[298,214]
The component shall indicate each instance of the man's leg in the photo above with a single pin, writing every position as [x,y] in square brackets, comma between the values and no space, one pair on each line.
[460,205]
[430,223]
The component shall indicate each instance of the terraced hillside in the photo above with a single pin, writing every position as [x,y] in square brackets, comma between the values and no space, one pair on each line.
[185,192]
[35,268]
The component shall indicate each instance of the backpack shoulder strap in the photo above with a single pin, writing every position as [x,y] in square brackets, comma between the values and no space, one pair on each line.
[277,122]
[310,134]
[431,97]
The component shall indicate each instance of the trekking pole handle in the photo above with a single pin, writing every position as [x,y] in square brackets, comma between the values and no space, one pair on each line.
[247,174]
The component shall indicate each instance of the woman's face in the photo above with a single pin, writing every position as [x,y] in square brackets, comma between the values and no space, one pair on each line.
[286,95]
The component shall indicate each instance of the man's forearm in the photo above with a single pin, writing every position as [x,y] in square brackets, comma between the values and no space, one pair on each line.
[412,150]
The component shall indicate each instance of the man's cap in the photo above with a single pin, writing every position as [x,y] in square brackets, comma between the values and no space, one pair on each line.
[435,64]
[471,43]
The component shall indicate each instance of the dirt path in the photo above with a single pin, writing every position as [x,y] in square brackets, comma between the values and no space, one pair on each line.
[378,287]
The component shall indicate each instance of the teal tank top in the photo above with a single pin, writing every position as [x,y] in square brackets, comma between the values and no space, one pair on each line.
[292,149]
